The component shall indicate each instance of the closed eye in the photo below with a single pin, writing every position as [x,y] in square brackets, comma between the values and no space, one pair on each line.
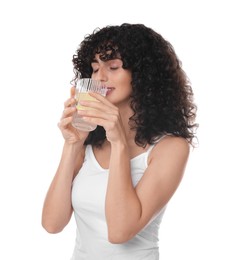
[114,68]
[95,70]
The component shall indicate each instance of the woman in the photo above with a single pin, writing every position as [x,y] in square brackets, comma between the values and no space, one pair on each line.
[119,178]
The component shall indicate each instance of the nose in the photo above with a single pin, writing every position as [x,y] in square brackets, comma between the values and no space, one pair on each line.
[101,75]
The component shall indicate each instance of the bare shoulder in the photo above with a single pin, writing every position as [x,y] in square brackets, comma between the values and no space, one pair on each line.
[171,144]
[170,148]
[166,166]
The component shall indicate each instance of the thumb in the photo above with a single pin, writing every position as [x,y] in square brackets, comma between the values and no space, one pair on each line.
[72,92]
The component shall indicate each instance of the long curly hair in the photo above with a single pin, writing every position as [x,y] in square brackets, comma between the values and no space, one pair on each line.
[162,97]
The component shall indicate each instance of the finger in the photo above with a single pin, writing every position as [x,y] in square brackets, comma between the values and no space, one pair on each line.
[106,124]
[108,116]
[72,92]
[69,102]
[91,105]
[98,105]
[101,98]
[68,111]
[65,122]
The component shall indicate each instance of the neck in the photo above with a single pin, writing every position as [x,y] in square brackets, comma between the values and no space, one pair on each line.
[126,112]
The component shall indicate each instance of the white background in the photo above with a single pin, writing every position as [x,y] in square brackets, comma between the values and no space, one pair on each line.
[38,39]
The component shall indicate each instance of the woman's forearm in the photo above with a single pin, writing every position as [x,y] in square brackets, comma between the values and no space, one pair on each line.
[57,207]
[123,208]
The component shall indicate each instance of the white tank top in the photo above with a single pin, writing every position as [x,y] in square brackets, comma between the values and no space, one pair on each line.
[88,200]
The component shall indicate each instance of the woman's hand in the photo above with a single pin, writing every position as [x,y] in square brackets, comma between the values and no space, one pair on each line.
[105,114]
[70,134]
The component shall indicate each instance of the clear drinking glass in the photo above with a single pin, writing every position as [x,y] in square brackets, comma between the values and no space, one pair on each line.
[83,87]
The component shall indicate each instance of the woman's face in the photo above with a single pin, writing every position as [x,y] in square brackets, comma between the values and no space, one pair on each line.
[114,77]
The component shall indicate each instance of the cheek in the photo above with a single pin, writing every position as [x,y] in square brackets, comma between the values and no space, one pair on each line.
[126,80]
[127,85]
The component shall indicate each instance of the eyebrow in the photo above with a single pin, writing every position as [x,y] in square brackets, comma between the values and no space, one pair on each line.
[94,60]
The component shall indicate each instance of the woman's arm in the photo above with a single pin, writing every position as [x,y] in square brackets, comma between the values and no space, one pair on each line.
[57,208]
[129,209]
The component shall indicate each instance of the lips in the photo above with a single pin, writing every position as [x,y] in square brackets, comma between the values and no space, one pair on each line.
[109,90]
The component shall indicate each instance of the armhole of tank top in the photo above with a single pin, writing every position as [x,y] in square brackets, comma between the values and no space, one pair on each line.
[89,153]
[86,155]
[153,145]
[87,150]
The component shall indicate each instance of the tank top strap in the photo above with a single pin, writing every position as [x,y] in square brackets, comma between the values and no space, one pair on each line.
[158,139]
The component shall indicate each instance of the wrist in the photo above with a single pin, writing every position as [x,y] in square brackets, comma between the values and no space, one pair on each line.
[73,148]
[119,148]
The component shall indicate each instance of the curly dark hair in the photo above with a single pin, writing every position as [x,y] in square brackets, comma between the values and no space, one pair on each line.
[162,98]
